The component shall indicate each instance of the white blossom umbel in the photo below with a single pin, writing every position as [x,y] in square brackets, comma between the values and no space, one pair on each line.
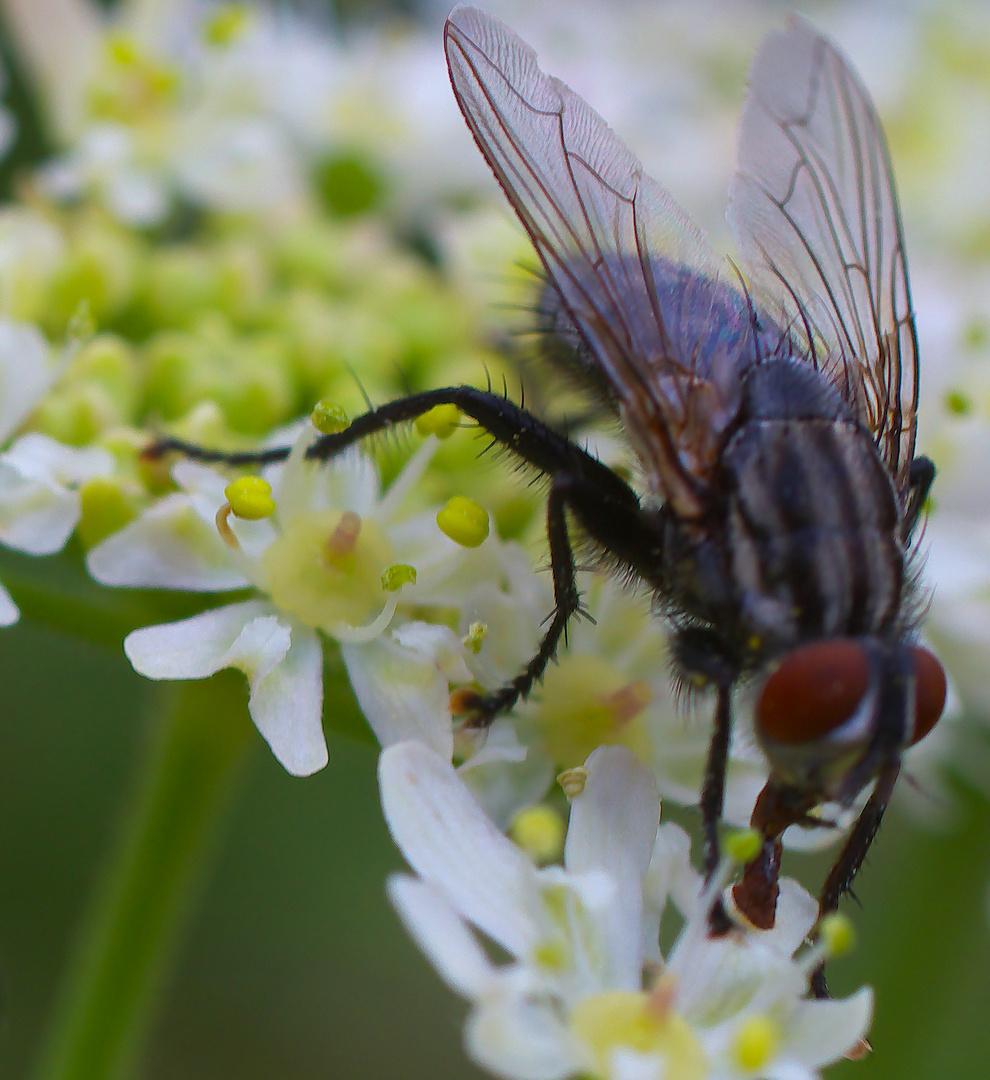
[585,990]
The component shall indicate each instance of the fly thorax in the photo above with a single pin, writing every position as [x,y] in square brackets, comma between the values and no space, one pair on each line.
[813,530]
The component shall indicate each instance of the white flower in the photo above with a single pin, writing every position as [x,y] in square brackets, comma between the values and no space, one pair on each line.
[585,990]
[317,564]
[613,684]
[40,478]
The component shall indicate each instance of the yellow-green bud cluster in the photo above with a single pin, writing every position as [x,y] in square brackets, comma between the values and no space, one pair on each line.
[240,327]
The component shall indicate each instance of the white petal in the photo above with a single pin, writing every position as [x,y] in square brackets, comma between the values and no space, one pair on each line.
[27,371]
[614,820]
[37,510]
[57,42]
[40,457]
[349,482]
[797,912]
[439,644]
[625,1064]
[442,935]
[521,1038]
[447,840]
[671,873]
[613,828]
[35,516]
[504,775]
[8,609]
[245,636]
[401,695]
[819,1032]
[407,480]
[195,478]
[505,786]
[286,704]
[169,546]
[670,876]
[500,745]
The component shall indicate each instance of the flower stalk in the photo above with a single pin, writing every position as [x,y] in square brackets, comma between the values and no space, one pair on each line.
[127,942]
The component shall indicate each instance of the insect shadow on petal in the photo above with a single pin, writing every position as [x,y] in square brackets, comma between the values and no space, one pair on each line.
[772,407]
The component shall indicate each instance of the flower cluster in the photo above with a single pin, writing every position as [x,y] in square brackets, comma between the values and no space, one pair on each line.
[585,990]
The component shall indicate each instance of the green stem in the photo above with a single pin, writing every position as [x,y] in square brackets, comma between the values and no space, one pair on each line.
[129,936]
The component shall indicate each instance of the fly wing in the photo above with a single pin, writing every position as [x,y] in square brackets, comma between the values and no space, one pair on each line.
[613,243]
[815,215]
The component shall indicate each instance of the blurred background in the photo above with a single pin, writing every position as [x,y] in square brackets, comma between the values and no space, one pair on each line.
[294,964]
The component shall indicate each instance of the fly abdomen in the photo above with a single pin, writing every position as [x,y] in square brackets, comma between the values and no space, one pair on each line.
[813,530]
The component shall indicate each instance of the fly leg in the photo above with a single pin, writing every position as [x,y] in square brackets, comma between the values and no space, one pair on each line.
[851,858]
[483,708]
[713,785]
[605,505]
[713,799]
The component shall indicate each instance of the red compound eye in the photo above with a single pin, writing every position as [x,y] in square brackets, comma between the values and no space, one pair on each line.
[819,686]
[814,691]
[929,692]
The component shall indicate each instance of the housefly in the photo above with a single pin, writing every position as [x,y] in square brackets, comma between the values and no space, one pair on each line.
[772,407]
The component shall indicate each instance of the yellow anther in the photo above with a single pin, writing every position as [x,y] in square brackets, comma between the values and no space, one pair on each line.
[398,575]
[539,831]
[464,521]
[572,781]
[756,1041]
[250,498]
[475,638]
[837,934]
[743,845]
[441,420]
[328,418]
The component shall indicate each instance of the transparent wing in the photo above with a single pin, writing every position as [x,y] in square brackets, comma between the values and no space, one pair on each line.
[815,215]
[613,243]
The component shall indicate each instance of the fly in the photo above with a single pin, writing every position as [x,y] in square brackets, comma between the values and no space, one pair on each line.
[773,410]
